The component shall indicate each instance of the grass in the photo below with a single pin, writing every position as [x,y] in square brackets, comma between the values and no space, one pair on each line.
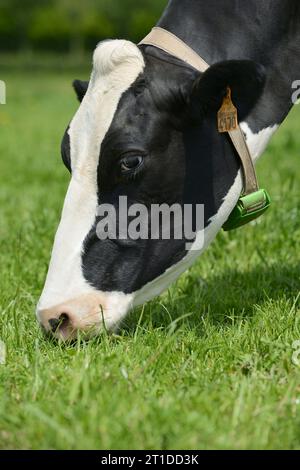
[207,365]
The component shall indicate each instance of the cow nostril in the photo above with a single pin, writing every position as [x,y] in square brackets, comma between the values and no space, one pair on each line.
[57,323]
[54,324]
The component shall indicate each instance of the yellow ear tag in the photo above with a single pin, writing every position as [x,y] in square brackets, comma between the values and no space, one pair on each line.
[227,115]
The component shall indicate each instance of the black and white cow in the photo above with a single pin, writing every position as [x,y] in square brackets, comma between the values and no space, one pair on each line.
[146,128]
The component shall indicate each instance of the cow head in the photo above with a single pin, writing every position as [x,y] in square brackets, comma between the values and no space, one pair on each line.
[145,129]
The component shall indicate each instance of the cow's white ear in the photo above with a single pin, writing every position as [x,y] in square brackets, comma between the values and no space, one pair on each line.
[80,88]
[245,78]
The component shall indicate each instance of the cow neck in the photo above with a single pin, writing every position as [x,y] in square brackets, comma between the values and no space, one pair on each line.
[252,202]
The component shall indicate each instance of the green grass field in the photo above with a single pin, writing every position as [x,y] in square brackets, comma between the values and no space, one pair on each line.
[207,365]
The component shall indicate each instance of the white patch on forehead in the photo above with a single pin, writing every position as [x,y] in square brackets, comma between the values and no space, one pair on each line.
[117,65]
[257,144]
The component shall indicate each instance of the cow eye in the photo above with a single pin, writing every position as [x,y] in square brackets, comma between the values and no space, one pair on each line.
[131,163]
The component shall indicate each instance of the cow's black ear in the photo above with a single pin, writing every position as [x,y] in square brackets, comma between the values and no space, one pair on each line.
[245,78]
[80,88]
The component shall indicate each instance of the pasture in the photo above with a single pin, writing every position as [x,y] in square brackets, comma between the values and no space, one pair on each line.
[207,365]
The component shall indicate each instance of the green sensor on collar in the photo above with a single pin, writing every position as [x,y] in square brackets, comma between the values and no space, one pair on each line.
[248,208]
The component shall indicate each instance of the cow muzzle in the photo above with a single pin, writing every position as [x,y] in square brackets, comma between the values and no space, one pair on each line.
[85,314]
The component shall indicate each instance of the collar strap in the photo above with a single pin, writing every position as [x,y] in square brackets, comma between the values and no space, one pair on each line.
[171,44]
[174,46]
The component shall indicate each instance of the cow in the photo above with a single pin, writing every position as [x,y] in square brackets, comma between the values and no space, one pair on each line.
[146,129]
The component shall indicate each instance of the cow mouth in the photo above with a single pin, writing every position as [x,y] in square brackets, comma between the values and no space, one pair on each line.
[66,333]
[83,317]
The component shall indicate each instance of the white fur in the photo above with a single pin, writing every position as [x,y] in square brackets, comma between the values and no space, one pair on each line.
[117,64]
[118,305]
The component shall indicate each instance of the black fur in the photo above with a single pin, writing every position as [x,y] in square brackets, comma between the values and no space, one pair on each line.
[169,115]
[80,88]
[188,163]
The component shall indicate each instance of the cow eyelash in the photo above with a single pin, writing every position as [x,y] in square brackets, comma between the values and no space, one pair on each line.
[131,165]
